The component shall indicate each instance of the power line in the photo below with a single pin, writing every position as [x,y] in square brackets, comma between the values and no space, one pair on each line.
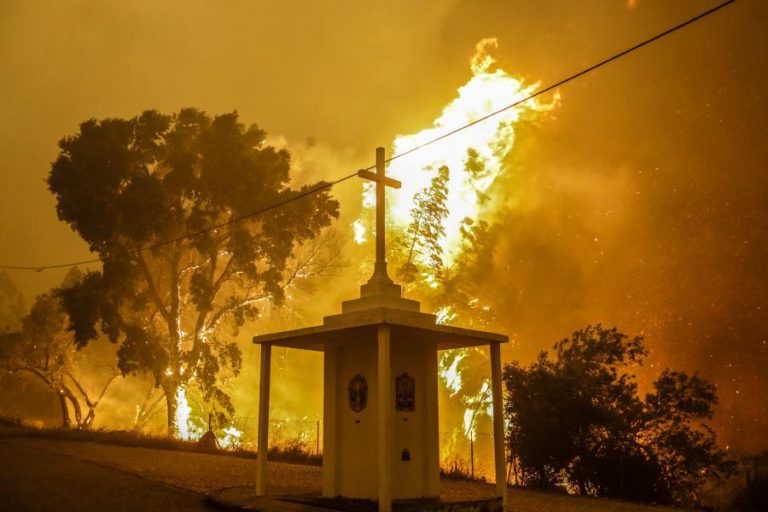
[50,267]
[328,185]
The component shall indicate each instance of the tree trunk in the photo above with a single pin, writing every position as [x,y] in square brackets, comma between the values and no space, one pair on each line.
[75,405]
[88,421]
[65,422]
[171,406]
[172,386]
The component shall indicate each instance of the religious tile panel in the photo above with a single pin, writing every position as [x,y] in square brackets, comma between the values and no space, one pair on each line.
[405,393]
[358,393]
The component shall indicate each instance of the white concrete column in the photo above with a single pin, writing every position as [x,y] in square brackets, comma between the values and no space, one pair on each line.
[330,454]
[498,423]
[431,430]
[263,434]
[385,420]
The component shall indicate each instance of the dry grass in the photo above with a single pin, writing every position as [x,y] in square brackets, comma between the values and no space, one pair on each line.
[11,428]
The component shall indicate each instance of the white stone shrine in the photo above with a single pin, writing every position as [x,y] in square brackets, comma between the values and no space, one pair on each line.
[380,410]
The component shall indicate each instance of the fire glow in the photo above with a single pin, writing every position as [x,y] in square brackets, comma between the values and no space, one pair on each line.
[188,429]
[475,156]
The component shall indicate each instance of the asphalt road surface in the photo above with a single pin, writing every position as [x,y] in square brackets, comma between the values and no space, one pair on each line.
[36,480]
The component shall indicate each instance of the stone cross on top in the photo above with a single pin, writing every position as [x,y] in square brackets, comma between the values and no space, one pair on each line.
[380,290]
[382,181]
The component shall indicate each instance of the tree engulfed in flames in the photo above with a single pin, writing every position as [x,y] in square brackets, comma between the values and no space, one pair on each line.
[188,429]
[184,428]
[474,157]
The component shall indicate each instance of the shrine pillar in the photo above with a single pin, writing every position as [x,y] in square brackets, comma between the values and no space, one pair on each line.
[385,420]
[330,447]
[263,434]
[498,424]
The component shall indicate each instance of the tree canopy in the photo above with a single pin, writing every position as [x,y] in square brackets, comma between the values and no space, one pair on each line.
[578,421]
[135,189]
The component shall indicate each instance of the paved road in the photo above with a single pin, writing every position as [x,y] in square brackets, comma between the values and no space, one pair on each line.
[36,480]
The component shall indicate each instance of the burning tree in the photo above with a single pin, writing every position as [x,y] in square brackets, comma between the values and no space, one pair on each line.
[134,189]
[426,228]
[43,348]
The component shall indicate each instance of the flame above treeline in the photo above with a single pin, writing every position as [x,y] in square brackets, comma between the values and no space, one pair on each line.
[475,156]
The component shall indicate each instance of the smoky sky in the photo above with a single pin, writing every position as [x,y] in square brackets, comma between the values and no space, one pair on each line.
[641,201]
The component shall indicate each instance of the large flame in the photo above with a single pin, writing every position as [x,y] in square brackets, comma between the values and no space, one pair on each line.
[471,177]
[185,429]
[449,370]
[476,405]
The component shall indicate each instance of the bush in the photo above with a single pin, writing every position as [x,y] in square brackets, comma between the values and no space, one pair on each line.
[579,422]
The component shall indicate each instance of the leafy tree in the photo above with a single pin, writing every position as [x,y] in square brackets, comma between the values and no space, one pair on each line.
[134,189]
[579,422]
[426,229]
[45,349]
[684,447]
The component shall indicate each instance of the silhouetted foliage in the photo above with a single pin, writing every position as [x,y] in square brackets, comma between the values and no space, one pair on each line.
[579,422]
[127,186]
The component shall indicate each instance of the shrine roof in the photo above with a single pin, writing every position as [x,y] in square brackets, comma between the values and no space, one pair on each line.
[361,326]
